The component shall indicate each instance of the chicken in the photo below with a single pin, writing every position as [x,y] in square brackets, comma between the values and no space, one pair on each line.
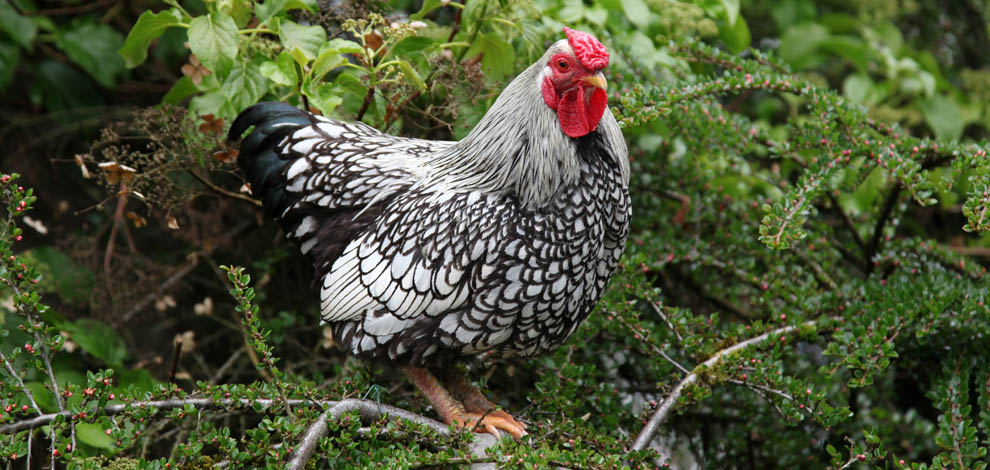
[427,253]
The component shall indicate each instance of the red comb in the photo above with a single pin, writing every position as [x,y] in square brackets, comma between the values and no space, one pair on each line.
[590,52]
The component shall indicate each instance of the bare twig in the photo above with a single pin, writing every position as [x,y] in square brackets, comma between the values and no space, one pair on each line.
[663,316]
[176,352]
[118,219]
[223,192]
[663,411]
[652,346]
[369,411]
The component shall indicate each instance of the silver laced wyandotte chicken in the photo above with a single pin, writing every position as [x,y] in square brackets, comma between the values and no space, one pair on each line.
[428,253]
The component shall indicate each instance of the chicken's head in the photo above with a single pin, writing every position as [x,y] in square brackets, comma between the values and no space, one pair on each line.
[573,84]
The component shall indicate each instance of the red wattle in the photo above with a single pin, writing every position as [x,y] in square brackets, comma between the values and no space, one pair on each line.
[596,108]
[571,113]
[576,119]
[549,93]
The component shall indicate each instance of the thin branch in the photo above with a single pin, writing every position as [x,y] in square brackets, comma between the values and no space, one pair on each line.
[874,246]
[663,316]
[224,192]
[663,411]
[848,222]
[652,346]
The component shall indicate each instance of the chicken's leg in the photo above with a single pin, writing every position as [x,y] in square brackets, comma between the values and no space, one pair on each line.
[472,398]
[453,411]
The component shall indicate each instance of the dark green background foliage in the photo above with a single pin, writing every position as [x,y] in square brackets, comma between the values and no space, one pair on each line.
[813,171]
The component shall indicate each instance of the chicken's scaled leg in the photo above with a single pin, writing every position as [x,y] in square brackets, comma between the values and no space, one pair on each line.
[452,410]
[472,398]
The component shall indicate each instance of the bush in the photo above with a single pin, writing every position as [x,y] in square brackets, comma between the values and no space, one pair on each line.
[804,286]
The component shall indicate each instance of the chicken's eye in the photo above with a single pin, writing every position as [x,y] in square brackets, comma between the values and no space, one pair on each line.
[562,64]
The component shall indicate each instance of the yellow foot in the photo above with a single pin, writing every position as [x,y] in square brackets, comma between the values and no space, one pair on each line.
[491,423]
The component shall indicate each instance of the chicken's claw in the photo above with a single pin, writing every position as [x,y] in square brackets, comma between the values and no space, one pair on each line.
[491,423]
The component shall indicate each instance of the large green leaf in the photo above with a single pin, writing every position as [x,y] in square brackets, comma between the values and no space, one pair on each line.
[498,57]
[244,86]
[331,57]
[637,12]
[22,30]
[264,11]
[43,396]
[149,27]
[736,36]
[182,89]
[59,87]
[572,11]
[213,38]
[93,435]
[282,71]
[98,339]
[307,39]
[74,283]
[94,48]
[799,45]
[9,57]
[943,115]
[428,6]
[411,75]
[731,11]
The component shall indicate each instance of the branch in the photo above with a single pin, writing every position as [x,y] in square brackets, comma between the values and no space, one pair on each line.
[223,192]
[874,246]
[367,410]
[663,411]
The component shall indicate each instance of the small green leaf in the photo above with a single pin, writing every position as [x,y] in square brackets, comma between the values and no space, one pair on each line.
[239,10]
[213,38]
[299,56]
[307,39]
[98,339]
[182,89]
[22,30]
[282,71]
[149,26]
[411,75]
[328,60]
[324,96]
[344,46]
[428,6]
[94,48]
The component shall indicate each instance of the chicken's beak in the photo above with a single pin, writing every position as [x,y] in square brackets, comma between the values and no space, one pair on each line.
[596,80]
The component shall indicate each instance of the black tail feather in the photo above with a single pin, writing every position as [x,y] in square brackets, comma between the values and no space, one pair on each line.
[265,167]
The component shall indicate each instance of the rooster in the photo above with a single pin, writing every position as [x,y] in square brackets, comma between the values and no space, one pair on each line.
[427,253]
